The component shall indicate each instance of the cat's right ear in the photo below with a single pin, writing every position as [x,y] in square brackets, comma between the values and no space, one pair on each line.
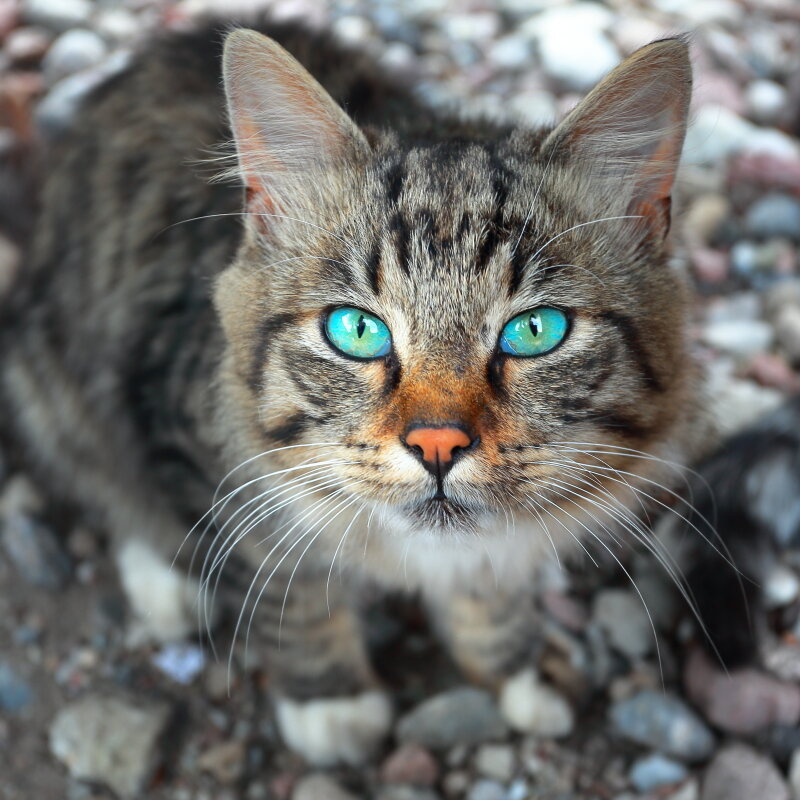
[288,129]
[626,136]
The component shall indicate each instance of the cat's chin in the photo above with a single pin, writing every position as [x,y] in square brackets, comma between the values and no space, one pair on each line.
[442,517]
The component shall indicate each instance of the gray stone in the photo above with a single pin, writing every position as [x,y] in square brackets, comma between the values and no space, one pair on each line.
[319,787]
[495,761]
[665,723]
[406,793]
[57,14]
[486,790]
[110,741]
[741,773]
[32,547]
[464,715]
[15,693]
[511,52]
[787,332]
[794,774]
[73,51]
[774,215]
[655,771]
[621,614]
[572,44]
[744,337]
[56,112]
[766,101]
[716,133]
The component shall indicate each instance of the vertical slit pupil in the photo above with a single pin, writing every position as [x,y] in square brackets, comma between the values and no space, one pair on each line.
[534,325]
[360,326]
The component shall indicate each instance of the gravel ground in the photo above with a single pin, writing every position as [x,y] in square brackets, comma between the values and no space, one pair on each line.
[87,712]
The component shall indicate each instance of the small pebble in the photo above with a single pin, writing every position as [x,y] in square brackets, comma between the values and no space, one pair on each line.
[655,771]
[787,333]
[15,693]
[766,101]
[412,764]
[621,614]
[774,214]
[182,662]
[744,701]
[463,715]
[781,586]
[744,337]
[57,14]
[319,787]
[399,792]
[27,45]
[495,761]
[740,773]
[225,761]
[794,774]
[110,741]
[530,706]
[665,723]
[486,790]
[73,51]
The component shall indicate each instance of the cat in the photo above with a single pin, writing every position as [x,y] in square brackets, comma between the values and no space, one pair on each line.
[406,347]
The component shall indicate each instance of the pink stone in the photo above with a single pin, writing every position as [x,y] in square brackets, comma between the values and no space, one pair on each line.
[711,266]
[571,613]
[773,370]
[412,764]
[743,702]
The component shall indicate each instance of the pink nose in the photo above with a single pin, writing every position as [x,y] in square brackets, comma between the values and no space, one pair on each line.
[437,444]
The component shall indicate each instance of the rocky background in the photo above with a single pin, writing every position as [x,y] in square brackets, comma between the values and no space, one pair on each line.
[87,712]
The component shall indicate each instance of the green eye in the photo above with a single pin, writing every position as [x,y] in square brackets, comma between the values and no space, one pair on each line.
[535,332]
[358,333]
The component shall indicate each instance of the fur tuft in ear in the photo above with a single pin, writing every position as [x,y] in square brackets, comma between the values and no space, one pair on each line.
[628,132]
[288,129]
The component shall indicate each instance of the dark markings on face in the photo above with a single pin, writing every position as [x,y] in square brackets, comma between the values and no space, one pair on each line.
[269,327]
[402,235]
[633,341]
[291,430]
[374,267]
[495,232]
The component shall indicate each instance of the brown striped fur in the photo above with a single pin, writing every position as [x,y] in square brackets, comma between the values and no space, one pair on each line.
[136,395]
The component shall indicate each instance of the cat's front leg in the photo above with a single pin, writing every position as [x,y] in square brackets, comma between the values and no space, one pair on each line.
[492,634]
[328,703]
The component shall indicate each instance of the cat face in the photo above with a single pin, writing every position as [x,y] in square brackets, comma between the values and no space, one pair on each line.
[446,326]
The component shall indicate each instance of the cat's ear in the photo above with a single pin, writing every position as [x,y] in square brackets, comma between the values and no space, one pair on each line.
[288,129]
[628,132]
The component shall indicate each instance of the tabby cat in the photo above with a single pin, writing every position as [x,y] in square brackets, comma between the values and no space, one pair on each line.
[405,347]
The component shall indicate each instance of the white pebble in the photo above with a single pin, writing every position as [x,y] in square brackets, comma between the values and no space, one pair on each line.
[530,706]
[781,587]
[766,100]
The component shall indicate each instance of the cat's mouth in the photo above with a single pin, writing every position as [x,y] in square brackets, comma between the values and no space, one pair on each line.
[442,512]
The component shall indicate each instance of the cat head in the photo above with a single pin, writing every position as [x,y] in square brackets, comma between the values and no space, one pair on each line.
[452,330]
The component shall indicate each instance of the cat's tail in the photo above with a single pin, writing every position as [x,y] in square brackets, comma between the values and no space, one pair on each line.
[746,502]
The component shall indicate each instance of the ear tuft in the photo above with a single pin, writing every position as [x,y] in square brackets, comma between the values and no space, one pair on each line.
[629,131]
[286,126]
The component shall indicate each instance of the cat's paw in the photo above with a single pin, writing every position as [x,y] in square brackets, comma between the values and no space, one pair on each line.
[335,730]
[530,706]
[161,597]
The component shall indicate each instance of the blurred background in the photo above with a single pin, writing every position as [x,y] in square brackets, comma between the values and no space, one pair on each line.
[86,711]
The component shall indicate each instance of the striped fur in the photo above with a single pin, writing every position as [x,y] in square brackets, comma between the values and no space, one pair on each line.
[169,332]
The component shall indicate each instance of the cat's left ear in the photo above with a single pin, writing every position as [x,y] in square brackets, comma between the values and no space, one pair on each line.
[627,134]
[288,129]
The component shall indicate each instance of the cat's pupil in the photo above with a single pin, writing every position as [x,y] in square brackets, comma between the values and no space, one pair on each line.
[534,325]
[360,327]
